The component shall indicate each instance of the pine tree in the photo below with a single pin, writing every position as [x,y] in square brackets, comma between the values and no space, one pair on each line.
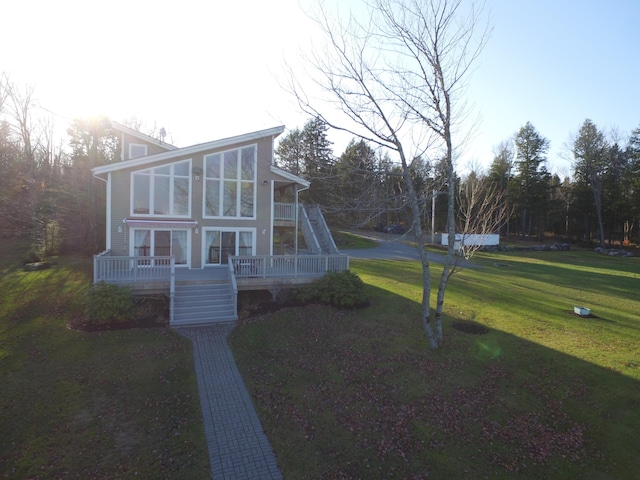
[532,179]
[590,155]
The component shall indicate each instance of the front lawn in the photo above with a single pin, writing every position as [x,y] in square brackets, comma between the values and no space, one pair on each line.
[345,240]
[117,404]
[544,394]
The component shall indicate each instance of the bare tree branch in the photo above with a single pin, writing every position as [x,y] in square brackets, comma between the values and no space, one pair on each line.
[394,78]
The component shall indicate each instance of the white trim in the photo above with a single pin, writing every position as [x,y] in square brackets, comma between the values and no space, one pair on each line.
[272,215]
[194,149]
[122,155]
[289,176]
[108,213]
[151,223]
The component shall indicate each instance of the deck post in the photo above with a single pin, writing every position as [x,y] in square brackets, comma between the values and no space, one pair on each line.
[172,288]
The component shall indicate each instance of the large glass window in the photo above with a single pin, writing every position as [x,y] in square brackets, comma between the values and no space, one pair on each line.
[230,183]
[161,243]
[161,191]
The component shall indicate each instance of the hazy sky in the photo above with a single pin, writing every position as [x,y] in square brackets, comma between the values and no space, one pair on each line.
[208,69]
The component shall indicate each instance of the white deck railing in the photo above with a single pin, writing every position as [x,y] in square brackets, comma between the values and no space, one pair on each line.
[284,211]
[130,270]
[283,266]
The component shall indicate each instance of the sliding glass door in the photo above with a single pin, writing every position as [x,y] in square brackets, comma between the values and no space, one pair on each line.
[219,245]
[161,243]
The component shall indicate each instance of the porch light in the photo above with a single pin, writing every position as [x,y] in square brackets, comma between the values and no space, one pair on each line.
[265,182]
[196,230]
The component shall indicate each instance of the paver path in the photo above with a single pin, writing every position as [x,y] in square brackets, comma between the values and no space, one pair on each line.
[238,447]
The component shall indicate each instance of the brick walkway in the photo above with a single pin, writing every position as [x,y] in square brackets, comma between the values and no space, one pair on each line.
[238,447]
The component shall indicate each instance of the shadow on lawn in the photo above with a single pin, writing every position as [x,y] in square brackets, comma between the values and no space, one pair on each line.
[358,394]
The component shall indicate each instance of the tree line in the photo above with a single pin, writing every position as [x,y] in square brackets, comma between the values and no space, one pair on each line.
[48,196]
[363,187]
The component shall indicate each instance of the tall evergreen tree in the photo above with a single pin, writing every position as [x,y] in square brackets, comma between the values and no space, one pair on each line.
[631,186]
[531,179]
[355,198]
[615,207]
[290,152]
[309,154]
[318,153]
[590,165]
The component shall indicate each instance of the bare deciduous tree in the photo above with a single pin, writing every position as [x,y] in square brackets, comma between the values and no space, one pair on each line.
[396,80]
[482,209]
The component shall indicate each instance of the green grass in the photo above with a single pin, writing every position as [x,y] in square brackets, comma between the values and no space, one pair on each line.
[347,241]
[118,404]
[545,394]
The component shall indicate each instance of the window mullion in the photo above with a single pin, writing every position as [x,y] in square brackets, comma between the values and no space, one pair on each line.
[152,189]
[171,190]
[221,196]
[238,191]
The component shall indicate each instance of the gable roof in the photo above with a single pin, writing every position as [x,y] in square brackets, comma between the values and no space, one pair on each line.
[142,136]
[193,149]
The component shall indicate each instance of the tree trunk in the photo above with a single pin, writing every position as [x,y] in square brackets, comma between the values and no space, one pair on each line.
[429,331]
[451,239]
[597,197]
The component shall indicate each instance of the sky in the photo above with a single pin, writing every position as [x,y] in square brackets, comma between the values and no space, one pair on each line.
[206,70]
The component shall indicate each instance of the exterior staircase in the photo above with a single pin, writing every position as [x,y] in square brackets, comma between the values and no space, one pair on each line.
[316,232]
[203,301]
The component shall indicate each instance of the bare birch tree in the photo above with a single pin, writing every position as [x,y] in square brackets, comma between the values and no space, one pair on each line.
[396,79]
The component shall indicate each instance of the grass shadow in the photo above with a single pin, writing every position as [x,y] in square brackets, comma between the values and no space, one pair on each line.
[358,394]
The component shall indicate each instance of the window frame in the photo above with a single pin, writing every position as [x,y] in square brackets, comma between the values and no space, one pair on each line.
[150,174]
[237,183]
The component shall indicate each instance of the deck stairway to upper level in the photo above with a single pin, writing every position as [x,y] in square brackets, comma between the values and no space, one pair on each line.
[316,232]
[204,297]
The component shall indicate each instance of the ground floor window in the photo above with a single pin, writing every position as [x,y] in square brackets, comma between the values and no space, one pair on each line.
[220,244]
[161,243]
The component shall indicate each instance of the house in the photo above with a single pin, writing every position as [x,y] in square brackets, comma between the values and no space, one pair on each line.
[202,222]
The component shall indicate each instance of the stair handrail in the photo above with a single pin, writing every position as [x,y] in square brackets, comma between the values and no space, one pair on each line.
[308,232]
[327,233]
[234,286]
